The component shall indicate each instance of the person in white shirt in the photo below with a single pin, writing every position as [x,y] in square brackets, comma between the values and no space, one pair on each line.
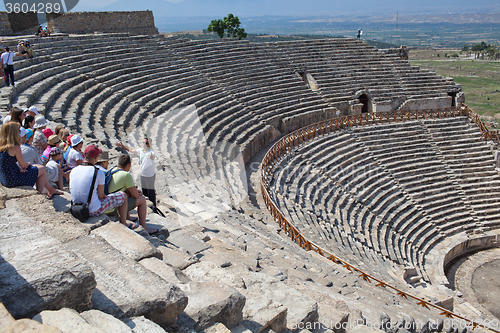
[148,172]
[81,180]
[75,157]
[54,172]
[7,63]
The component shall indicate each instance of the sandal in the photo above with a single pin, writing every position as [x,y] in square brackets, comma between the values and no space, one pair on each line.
[51,196]
[133,225]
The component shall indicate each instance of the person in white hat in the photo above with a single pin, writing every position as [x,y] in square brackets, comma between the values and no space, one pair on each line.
[75,157]
[40,141]
[32,111]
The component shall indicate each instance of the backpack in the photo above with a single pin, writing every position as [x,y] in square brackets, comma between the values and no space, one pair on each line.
[107,178]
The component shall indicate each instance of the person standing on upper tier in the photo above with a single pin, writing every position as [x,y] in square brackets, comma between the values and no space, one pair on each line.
[148,172]
[7,63]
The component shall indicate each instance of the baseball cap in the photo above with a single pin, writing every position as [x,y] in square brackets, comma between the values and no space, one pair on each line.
[92,151]
[29,134]
[23,132]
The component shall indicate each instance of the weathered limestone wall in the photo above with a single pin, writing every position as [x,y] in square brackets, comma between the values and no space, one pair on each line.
[18,24]
[136,22]
[427,104]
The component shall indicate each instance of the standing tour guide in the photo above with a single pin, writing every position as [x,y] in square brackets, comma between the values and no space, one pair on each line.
[7,62]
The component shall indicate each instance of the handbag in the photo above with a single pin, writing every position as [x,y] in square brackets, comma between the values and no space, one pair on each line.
[80,210]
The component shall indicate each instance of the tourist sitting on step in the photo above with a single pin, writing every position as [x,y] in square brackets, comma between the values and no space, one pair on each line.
[54,173]
[103,161]
[148,172]
[52,142]
[39,140]
[14,171]
[16,115]
[81,180]
[46,31]
[63,135]
[75,157]
[29,152]
[24,47]
[32,111]
[48,132]
[123,181]
[29,122]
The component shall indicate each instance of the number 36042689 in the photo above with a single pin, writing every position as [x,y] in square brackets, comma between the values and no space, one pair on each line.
[40,7]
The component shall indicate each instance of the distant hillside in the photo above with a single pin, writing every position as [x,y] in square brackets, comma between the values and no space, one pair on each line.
[247,8]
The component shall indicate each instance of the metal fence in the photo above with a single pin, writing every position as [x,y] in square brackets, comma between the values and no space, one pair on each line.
[293,140]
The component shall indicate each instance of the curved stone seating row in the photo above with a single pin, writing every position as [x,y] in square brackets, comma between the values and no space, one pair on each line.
[329,60]
[391,188]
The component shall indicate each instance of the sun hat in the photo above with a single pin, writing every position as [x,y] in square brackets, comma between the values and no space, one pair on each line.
[54,151]
[33,109]
[29,134]
[103,157]
[22,132]
[53,140]
[75,140]
[92,151]
[40,121]
[48,132]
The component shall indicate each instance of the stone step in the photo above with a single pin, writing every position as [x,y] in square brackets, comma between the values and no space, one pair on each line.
[124,287]
[38,272]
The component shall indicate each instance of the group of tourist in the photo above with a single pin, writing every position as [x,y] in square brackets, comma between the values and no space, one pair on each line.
[32,154]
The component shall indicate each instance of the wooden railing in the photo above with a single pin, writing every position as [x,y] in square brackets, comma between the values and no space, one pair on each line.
[291,141]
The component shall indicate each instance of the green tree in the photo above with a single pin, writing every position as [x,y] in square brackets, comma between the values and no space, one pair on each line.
[230,25]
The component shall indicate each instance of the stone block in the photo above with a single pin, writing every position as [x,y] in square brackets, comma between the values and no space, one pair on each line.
[37,271]
[105,322]
[67,320]
[157,221]
[124,287]
[128,242]
[59,225]
[7,193]
[210,303]
[261,317]
[217,328]
[62,203]
[161,269]
[143,325]
[184,240]
[5,316]
[28,325]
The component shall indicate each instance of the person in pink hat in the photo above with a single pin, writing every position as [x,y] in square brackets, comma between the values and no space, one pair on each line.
[80,184]
[48,132]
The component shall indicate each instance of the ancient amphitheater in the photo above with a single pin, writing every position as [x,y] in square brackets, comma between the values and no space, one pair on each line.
[307,186]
